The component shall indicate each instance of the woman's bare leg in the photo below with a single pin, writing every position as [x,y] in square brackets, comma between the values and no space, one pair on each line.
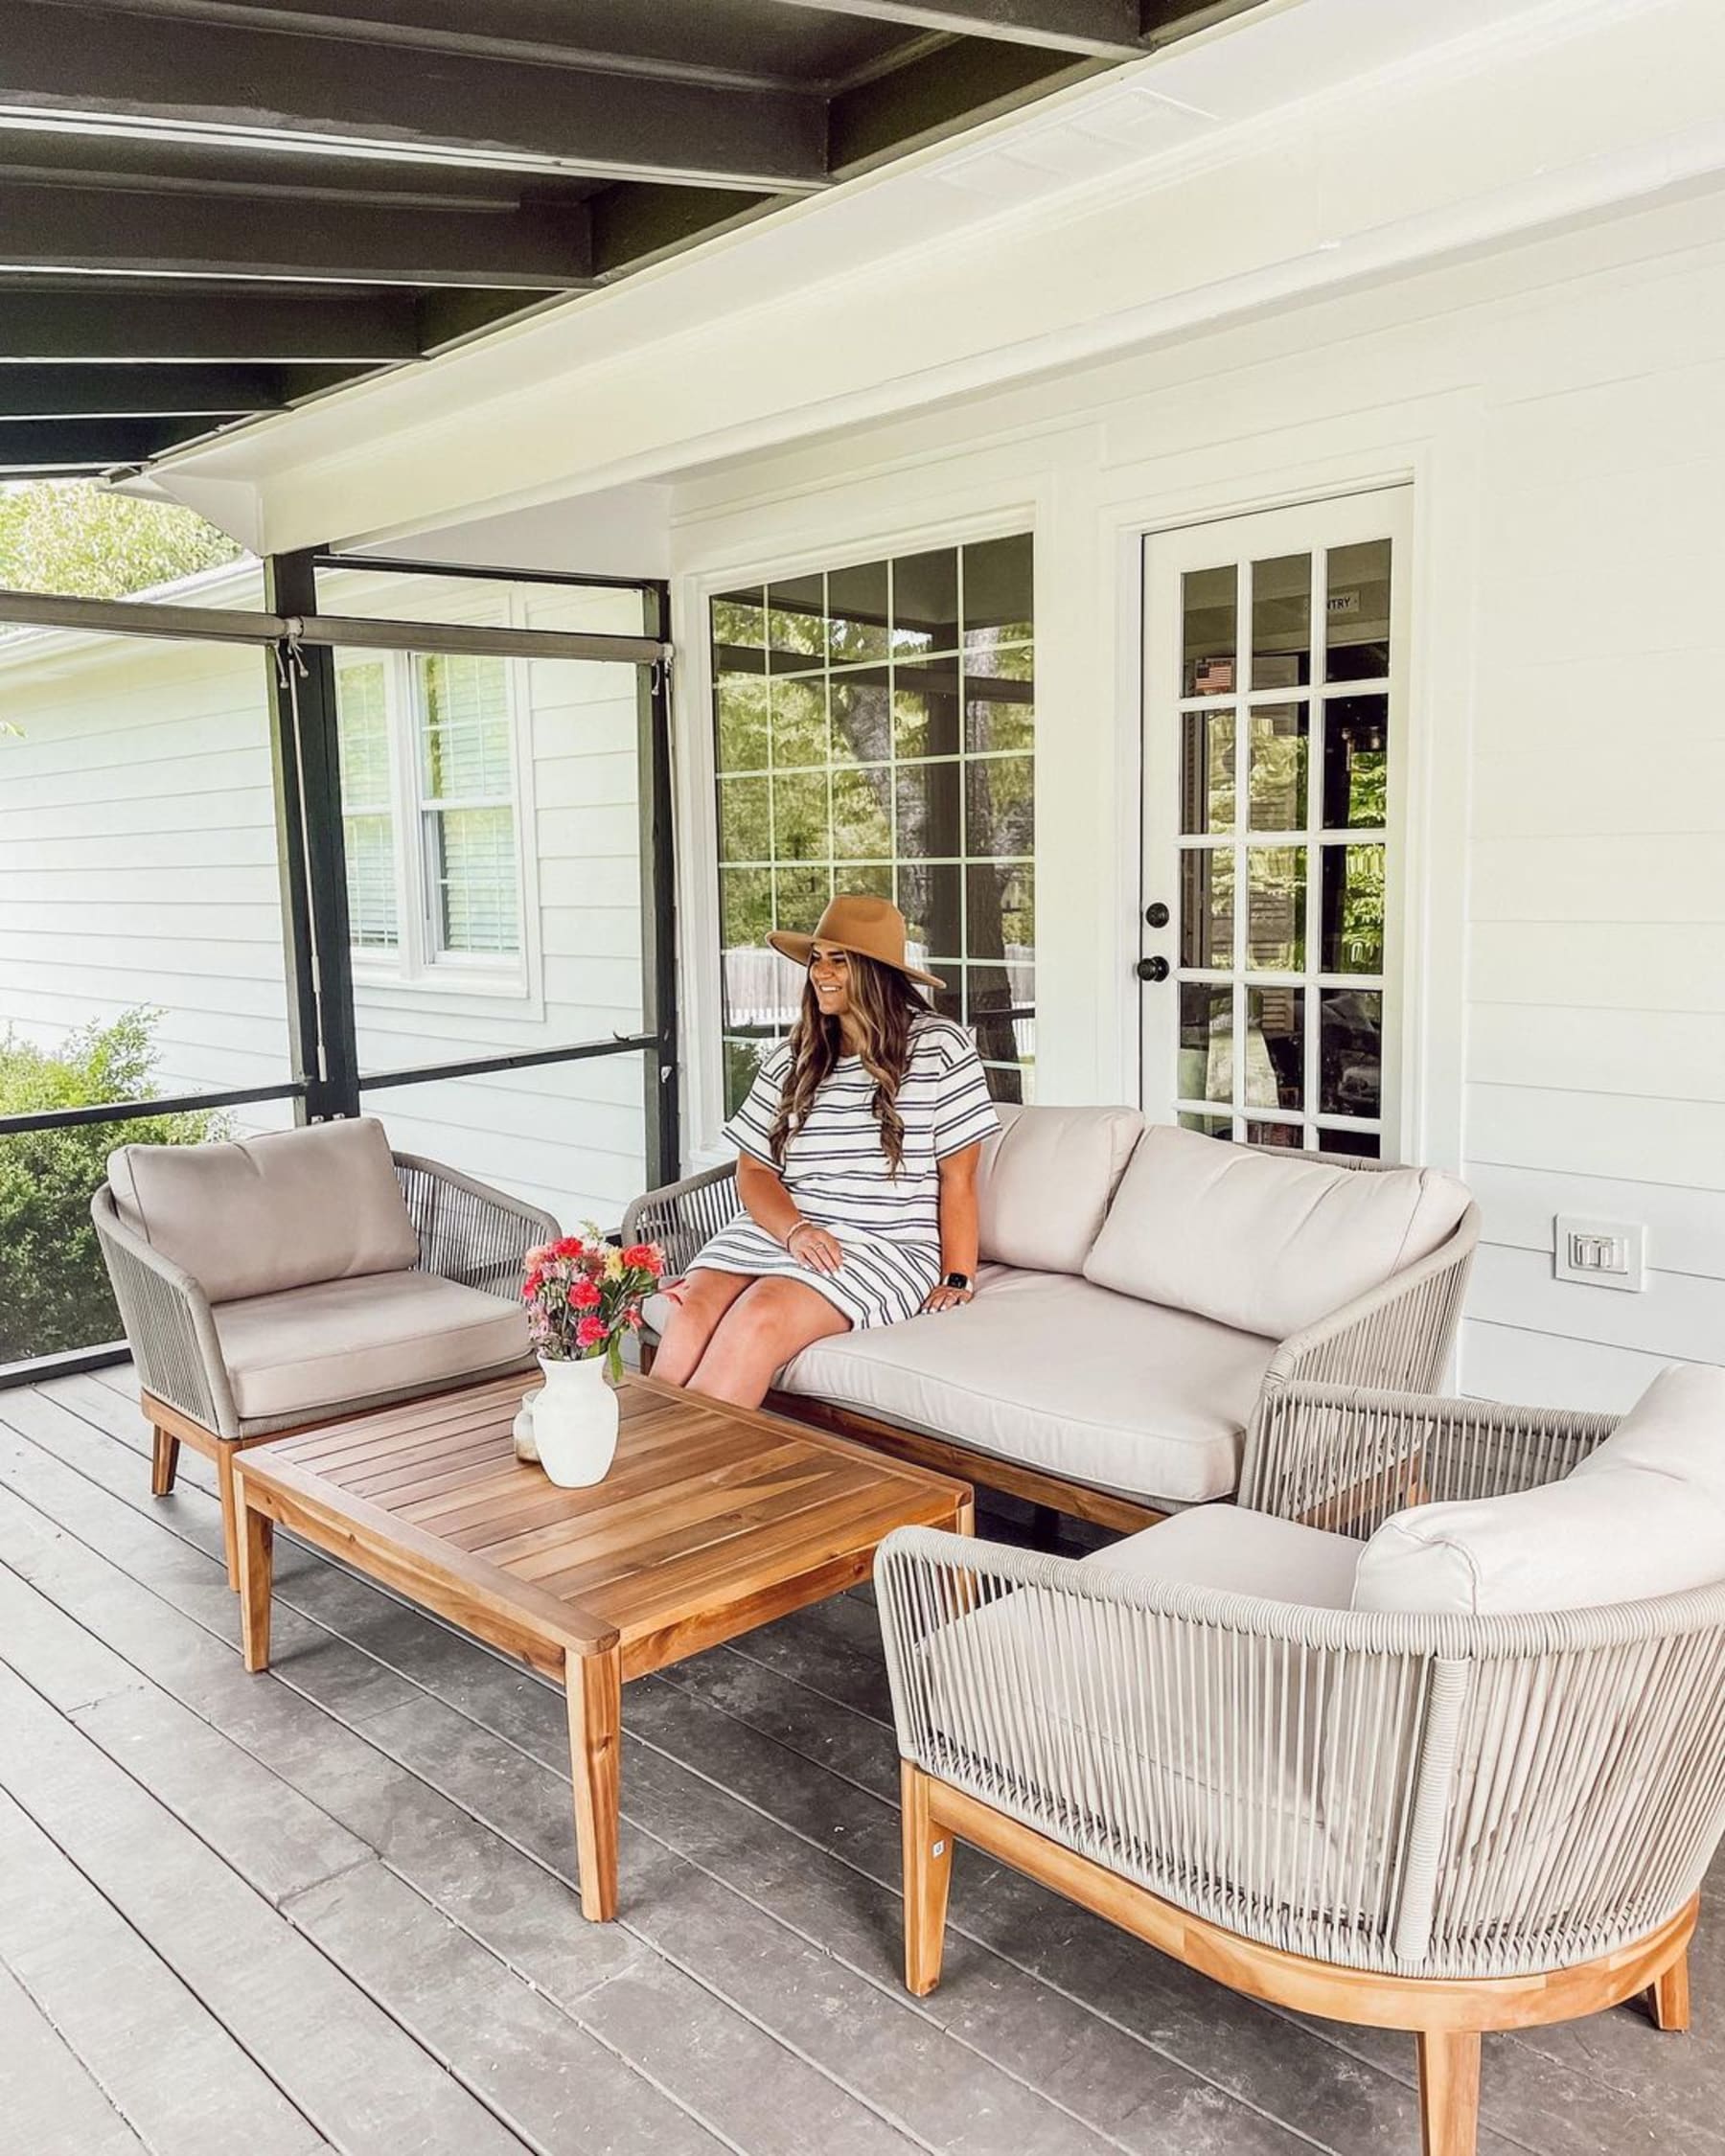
[763,1329]
[702,1300]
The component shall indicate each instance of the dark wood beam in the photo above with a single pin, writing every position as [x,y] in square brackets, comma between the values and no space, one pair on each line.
[218,75]
[448,316]
[49,228]
[1103,28]
[133,321]
[36,391]
[953,88]
[635,223]
[33,447]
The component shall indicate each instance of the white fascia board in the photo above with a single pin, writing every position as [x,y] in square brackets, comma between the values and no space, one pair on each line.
[1208,198]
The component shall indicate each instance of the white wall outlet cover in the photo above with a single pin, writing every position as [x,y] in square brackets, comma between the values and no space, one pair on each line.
[1600,1254]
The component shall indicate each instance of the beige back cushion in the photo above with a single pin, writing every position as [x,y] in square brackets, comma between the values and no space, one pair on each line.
[273,1212]
[1044,1181]
[1643,1515]
[1269,1242]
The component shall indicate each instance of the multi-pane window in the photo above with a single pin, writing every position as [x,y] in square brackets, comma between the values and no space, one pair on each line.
[367,805]
[875,728]
[467,803]
[429,812]
[1285,813]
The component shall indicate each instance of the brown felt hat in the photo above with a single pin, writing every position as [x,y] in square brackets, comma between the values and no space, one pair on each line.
[873,927]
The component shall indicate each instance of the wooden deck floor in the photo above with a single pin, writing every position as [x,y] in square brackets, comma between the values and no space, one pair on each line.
[331,1907]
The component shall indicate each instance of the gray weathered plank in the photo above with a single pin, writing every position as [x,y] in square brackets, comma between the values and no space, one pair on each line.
[49,2096]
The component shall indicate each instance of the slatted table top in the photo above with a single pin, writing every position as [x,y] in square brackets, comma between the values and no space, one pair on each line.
[711,1520]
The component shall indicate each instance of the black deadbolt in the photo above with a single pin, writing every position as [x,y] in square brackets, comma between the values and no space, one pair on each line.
[1156,915]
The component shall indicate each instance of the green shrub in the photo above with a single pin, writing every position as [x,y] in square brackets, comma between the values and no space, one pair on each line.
[54,1287]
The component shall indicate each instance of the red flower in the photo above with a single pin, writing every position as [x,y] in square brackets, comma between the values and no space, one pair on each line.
[647,1257]
[567,1245]
[590,1332]
[584,1293]
[536,1256]
[531,1286]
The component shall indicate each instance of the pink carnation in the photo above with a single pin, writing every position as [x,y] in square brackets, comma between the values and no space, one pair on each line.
[590,1332]
[584,1293]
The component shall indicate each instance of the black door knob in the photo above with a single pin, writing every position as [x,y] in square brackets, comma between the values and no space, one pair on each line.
[1152,969]
[1156,915]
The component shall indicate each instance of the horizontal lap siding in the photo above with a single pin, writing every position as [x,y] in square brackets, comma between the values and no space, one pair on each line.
[138,866]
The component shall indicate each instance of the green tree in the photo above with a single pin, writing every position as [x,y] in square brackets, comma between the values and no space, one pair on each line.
[54,1287]
[74,538]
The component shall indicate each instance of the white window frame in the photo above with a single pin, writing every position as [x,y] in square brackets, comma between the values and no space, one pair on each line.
[416,966]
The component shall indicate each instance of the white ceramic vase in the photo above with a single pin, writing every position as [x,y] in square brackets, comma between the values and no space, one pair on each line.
[574,1422]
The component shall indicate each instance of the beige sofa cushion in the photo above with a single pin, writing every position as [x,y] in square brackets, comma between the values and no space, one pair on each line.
[1266,1242]
[1642,1515]
[1047,1370]
[1046,1179]
[302,1351]
[1241,1552]
[271,1212]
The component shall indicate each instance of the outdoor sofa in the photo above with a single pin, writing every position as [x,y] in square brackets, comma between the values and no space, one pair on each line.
[1144,1293]
[301,1276]
[1427,1733]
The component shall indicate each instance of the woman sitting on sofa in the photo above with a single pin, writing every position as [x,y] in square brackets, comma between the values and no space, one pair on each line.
[857,1146]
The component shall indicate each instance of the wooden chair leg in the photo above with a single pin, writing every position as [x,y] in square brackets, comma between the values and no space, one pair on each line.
[1449,2092]
[928,1879]
[163,1461]
[230,1522]
[1669,1995]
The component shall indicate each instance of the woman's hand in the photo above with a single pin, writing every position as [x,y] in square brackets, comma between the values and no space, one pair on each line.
[943,1298]
[815,1247]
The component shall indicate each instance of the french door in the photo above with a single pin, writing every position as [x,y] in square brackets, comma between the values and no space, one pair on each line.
[1274,660]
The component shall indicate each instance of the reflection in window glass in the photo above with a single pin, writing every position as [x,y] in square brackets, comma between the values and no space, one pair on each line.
[1274,1048]
[1277,778]
[1353,910]
[1206,904]
[1275,909]
[1357,612]
[1356,763]
[1209,631]
[1206,791]
[874,728]
[1350,1045]
[1206,1041]
[1282,623]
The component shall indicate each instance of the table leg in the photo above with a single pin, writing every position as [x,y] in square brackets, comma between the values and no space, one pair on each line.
[256,1540]
[595,1689]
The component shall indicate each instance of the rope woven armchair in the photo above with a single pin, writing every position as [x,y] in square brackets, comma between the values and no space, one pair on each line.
[1443,1822]
[300,1276]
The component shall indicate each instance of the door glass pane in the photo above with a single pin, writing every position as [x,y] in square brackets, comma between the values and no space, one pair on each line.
[1350,1040]
[1208,775]
[1210,635]
[1207,905]
[1206,1041]
[1289,1134]
[1275,1050]
[1277,776]
[1353,910]
[1281,622]
[1208,1126]
[1276,910]
[1356,763]
[1357,612]
[1361,1145]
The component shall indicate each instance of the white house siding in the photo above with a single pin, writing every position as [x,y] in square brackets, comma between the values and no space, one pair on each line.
[138,866]
[1560,409]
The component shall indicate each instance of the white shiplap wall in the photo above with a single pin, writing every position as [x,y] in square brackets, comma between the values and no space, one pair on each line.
[1560,411]
[137,866]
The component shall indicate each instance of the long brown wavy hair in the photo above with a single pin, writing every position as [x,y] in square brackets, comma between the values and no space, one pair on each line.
[884,1005]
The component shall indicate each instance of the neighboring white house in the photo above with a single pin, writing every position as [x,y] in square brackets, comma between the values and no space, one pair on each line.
[1362,357]
[494,880]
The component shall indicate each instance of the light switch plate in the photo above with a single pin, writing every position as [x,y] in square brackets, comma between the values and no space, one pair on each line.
[1602,1253]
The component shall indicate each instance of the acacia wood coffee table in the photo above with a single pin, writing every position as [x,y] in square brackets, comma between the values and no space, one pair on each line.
[711,1520]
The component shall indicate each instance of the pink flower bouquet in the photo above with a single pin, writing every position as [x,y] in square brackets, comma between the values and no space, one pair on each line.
[582,1294]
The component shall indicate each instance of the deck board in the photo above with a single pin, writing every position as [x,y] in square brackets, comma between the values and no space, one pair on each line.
[391,1801]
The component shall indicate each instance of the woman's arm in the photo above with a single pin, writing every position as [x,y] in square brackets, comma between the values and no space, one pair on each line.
[771,1207]
[957,1225]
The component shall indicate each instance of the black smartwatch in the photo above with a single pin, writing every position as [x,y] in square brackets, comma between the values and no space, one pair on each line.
[962,1280]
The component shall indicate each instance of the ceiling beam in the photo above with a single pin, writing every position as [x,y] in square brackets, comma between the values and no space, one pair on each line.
[30,449]
[953,88]
[137,392]
[102,323]
[1102,29]
[253,85]
[634,224]
[196,235]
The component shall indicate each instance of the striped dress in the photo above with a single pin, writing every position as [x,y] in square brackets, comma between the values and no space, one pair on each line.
[836,1170]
